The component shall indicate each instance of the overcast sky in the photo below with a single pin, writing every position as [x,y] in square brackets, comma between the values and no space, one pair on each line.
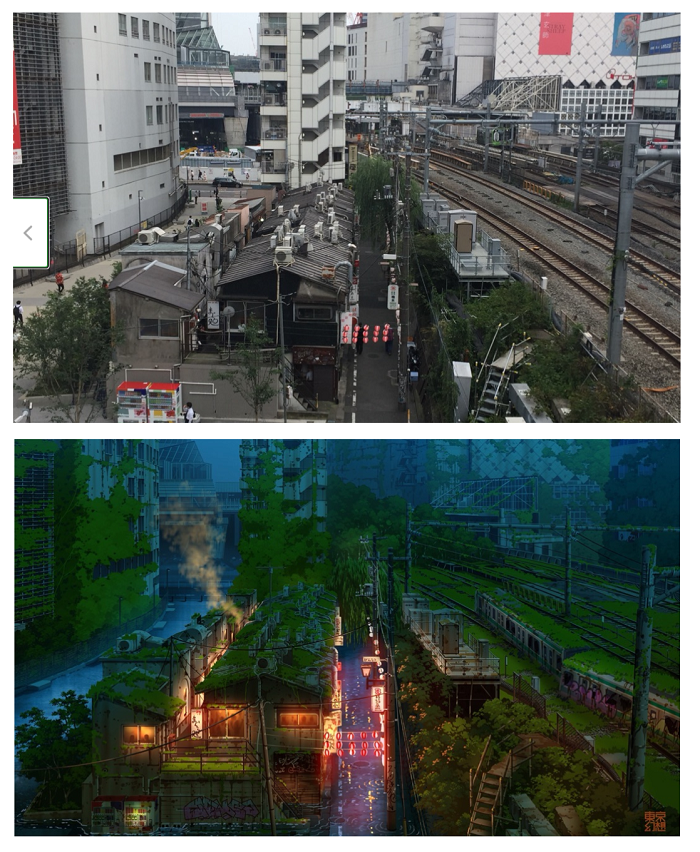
[233,29]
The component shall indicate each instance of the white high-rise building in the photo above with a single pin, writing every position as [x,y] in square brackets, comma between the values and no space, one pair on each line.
[658,95]
[119,85]
[302,78]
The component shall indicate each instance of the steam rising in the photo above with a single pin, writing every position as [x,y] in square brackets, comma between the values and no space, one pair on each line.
[195,530]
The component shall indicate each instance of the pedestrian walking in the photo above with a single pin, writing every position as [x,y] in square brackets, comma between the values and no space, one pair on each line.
[18,313]
[200,174]
[389,340]
[188,413]
[359,344]
[59,282]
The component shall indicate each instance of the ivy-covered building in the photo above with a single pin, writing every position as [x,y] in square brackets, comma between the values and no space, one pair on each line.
[180,723]
[134,465]
[301,474]
[34,521]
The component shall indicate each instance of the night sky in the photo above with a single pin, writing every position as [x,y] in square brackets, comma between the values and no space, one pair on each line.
[223,457]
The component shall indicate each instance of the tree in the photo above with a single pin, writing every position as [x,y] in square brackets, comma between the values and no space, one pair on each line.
[376,212]
[49,748]
[66,348]
[255,371]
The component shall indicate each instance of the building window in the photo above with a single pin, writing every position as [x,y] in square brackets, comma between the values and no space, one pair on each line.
[167,328]
[134,27]
[226,722]
[149,115]
[146,30]
[122,25]
[159,114]
[158,72]
[147,71]
[297,720]
[313,312]
[156,32]
[139,735]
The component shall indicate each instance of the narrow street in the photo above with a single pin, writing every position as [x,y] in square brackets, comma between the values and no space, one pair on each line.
[358,807]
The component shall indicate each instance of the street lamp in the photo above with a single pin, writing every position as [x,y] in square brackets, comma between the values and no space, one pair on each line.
[228,312]
[366,669]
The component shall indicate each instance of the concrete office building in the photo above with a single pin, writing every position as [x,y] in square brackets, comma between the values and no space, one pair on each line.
[119,90]
[658,95]
[302,77]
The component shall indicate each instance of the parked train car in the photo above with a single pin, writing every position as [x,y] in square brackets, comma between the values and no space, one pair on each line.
[601,693]
[613,698]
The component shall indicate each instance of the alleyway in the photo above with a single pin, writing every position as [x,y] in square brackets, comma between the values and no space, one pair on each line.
[372,385]
[359,801]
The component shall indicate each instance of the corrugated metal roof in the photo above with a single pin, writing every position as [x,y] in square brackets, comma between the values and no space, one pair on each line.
[157,281]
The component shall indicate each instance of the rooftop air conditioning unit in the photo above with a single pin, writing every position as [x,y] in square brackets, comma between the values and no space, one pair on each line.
[330,218]
[147,238]
[126,645]
[273,241]
[283,255]
[287,225]
[266,32]
[318,230]
[287,240]
[219,218]
[334,236]
[278,32]
[302,229]
[280,209]
[296,209]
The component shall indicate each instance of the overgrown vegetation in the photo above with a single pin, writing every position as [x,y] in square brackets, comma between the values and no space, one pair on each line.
[51,749]
[90,536]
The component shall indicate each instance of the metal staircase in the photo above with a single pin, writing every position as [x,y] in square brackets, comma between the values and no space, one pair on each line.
[494,388]
[493,789]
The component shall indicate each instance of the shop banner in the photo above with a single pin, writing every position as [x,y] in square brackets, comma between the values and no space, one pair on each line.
[556,29]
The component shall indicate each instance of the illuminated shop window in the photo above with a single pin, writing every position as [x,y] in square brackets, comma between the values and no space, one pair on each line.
[226,722]
[297,720]
[139,735]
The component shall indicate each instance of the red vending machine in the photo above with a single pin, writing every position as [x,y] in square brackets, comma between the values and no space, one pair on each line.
[132,406]
[164,402]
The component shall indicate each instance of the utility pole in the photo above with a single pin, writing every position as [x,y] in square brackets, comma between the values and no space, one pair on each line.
[567,567]
[487,135]
[391,738]
[375,586]
[268,776]
[426,170]
[407,566]
[623,237]
[596,150]
[404,306]
[171,666]
[637,743]
[579,160]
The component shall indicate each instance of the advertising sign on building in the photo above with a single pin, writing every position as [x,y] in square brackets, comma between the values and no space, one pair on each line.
[377,700]
[625,34]
[213,316]
[392,297]
[337,697]
[338,628]
[556,29]
[16,141]
[665,45]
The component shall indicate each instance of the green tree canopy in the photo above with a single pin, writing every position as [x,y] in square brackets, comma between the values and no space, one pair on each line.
[66,348]
[47,745]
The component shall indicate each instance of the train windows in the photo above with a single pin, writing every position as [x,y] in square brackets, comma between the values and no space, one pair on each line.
[537,646]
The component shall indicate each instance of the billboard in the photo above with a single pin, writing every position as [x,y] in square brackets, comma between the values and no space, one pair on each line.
[625,33]
[556,29]
[16,142]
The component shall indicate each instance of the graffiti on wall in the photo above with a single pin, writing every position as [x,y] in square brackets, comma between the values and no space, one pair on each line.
[228,809]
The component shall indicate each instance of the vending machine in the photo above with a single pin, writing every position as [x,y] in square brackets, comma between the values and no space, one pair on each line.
[164,402]
[132,405]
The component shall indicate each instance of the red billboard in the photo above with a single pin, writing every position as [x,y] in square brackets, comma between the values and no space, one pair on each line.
[556,29]
[16,143]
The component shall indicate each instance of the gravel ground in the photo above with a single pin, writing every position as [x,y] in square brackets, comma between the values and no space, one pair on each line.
[649,368]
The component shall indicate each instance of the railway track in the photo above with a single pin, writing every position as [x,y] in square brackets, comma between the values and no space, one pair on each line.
[591,638]
[651,331]
[654,269]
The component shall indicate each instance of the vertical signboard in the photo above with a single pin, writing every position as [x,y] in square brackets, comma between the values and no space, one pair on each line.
[625,34]
[213,315]
[16,142]
[556,29]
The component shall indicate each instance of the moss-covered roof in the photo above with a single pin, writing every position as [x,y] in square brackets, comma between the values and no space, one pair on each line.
[279,620]
[139,690]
